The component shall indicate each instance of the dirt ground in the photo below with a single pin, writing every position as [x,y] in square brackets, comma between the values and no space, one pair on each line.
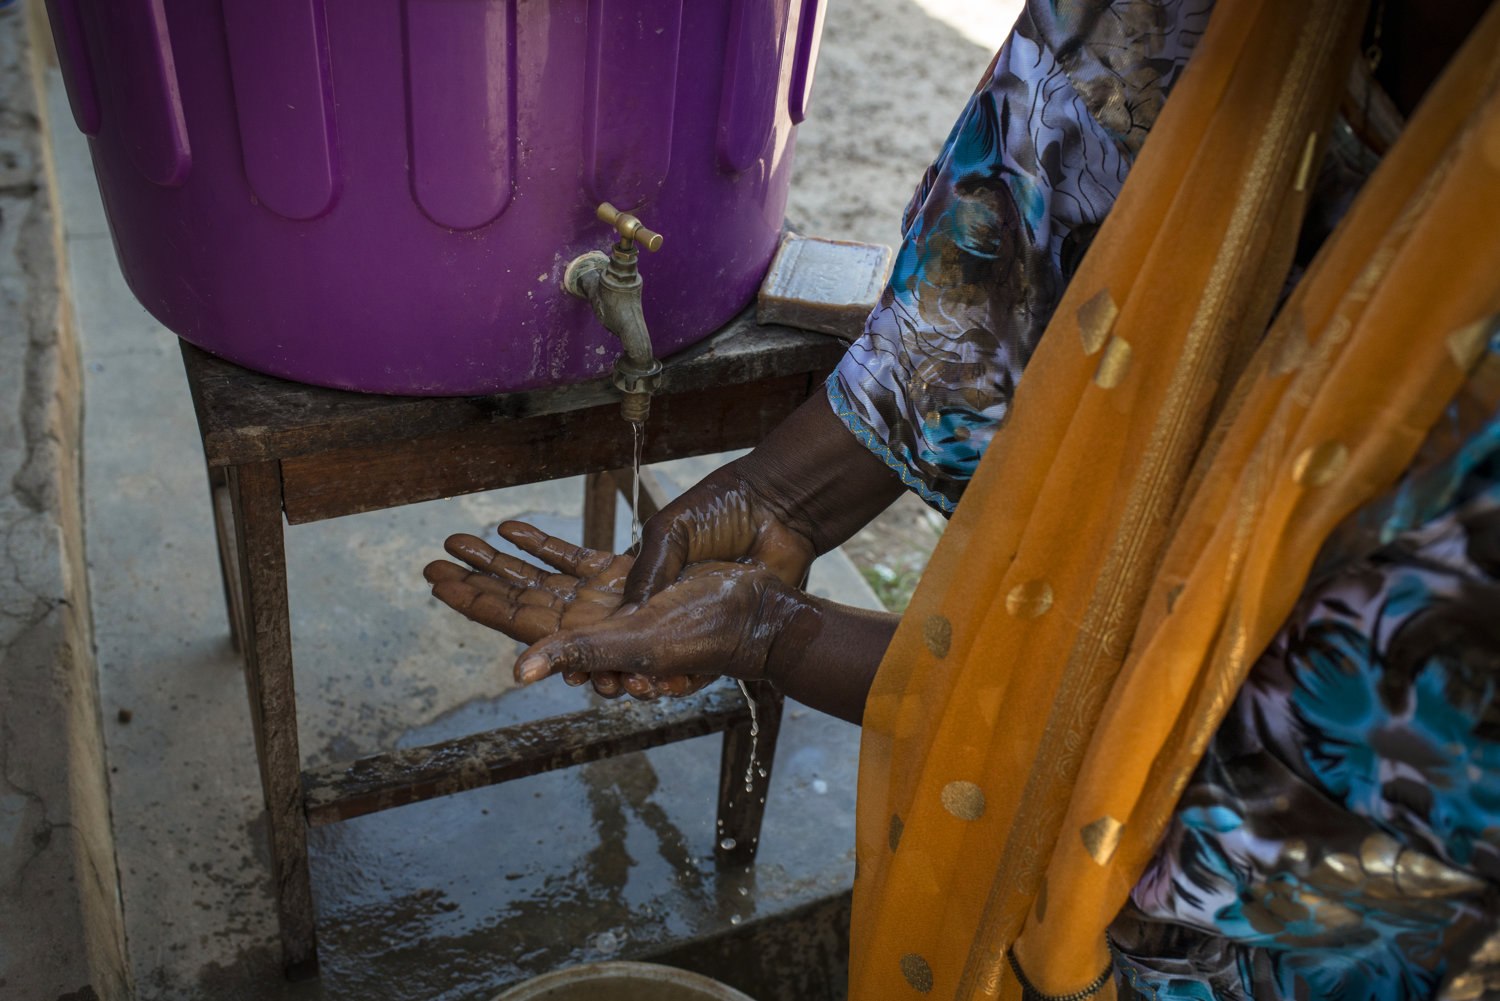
[891,79]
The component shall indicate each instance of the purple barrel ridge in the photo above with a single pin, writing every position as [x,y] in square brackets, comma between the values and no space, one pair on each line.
[383,197]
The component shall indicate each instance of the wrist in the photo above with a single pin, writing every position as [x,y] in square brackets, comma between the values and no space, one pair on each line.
[795,619]
[821,482]
[825,655]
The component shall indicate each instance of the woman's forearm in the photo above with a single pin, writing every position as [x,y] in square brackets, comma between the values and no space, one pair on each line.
[827,485]
[827,654]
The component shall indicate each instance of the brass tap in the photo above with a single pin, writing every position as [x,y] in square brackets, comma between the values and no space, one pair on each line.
[629,227]
[612,285]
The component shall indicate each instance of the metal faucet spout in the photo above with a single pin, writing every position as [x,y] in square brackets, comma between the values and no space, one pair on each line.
[612,285]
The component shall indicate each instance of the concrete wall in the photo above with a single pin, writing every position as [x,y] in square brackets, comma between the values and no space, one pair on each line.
[61,928]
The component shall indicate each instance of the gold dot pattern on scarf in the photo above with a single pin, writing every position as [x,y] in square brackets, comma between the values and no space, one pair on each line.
[1114,364]
[1096,318]
[964,800]
[1320,464]
[1467,344]
[1029,600]
[1101,838]
[937,634]
[893,835]
[917,973]
[961,433]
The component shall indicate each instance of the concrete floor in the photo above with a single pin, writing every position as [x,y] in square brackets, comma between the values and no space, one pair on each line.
[449,899]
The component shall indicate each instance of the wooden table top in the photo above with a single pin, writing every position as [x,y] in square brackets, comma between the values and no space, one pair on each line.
[247,416]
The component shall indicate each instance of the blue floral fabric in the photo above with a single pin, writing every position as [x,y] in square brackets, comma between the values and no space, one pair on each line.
[997,226]
[1341,837]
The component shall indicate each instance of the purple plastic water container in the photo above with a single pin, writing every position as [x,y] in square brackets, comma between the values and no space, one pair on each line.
[382,195]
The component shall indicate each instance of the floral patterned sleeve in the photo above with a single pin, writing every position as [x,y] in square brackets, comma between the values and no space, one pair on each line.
[997,226]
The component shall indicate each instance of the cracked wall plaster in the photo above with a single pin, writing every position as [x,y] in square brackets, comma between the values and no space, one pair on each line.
[61,932]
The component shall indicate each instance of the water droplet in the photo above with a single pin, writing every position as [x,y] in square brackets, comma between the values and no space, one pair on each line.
[761,772]
[819,786]
[744,892]
[606,941]
[727,844]
[734,919]
[749,787]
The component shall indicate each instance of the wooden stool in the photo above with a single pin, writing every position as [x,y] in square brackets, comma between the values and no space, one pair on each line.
[276,448]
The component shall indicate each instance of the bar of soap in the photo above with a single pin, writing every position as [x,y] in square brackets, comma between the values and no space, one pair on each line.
[824,285]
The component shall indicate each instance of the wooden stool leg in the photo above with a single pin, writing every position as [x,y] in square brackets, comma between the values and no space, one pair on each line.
[255,491]
[741,809]
[599,511]
[229,557]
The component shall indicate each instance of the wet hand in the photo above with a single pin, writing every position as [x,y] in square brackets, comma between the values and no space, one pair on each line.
[527,602]
[523,601]
[727,516]
[718,618]
[803,491]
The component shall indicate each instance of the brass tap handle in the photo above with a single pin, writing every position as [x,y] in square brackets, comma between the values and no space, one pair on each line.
[629,227]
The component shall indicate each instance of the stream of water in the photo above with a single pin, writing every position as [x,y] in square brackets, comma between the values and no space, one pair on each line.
[754,736]
[638,438]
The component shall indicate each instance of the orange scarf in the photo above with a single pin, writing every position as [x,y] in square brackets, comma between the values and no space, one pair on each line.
[1113,572]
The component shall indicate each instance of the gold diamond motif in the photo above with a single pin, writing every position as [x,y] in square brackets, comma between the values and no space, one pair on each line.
[1320,464]
[917,973]
[1114,365]
[1096,318]
[964,800]
[1466,344]
[1029,600]
[937,634]
[1101,838]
